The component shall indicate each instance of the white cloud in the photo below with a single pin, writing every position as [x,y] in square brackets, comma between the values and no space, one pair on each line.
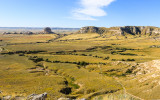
[80,16]
[90,9]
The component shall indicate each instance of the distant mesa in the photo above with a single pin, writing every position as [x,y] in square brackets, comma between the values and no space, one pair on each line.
[48,30]
[125,30]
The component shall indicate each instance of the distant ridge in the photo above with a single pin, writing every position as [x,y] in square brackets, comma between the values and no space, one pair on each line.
[37,28]
[122,31]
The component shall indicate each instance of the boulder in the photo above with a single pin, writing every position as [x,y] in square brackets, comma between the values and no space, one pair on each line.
[37,96]
[7,97]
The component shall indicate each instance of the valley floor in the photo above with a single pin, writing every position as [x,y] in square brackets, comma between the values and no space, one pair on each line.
[80,66]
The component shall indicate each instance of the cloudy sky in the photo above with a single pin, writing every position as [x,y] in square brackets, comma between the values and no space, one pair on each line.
[79,13]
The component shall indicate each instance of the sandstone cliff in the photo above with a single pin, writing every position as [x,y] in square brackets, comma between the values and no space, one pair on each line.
[131,30]
[89,29]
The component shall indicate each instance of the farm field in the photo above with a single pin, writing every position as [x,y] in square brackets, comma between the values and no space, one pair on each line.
[79,66]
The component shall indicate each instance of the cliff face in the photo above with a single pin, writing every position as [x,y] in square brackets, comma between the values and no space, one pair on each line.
[132,30]
[89,29]
[140,30]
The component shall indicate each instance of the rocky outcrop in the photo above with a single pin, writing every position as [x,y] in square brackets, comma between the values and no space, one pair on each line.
[89,29]
[148,67]
[7,97]
[140,30]
[30,97]
[37,96]
[48,30]
[131,30]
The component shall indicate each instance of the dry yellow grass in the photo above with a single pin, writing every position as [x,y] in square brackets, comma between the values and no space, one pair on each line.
[26,38]
[15,79]
[80,36]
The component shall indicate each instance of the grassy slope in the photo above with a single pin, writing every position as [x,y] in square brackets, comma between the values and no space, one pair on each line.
[17,80]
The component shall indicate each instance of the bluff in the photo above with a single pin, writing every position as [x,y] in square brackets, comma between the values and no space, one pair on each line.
[131,30]
[48,30]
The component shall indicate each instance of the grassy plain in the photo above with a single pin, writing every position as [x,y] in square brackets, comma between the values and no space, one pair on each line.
[85,63]
[13,38]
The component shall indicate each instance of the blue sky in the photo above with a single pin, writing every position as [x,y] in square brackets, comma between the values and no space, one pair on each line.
[79,13]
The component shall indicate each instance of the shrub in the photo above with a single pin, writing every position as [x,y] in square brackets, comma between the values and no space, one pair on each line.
[113,52]
[74,50]
[66,90]
[38,60]
[48,60]
[56,61]
[129,71]
[130,59]
[34,59]
[123,60]
[106,58]
[83,63]
[83,54]
[113,59]
[128,54]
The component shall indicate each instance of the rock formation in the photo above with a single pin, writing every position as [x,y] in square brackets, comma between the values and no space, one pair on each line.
[89,29]
[30,97]
[37,96]
[6,97]
[141,30]
[48,30]
[131,30]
